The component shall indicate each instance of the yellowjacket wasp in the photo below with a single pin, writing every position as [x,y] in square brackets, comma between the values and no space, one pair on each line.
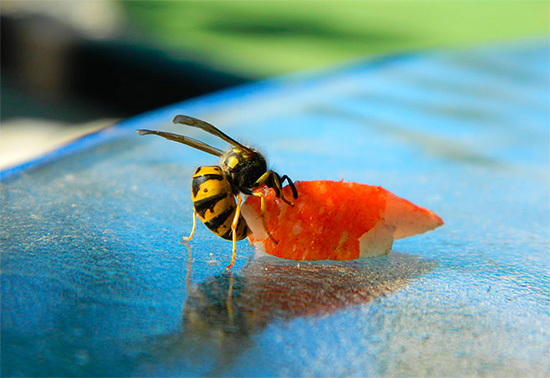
[214,188]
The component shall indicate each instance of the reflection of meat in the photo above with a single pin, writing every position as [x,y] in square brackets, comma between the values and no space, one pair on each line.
[222,313]
[271,289]
[289,289]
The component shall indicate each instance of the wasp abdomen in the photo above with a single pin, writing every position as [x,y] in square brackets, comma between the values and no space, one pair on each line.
[202,178]
[215,203]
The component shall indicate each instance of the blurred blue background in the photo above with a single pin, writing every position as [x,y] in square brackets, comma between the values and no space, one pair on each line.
[70,67]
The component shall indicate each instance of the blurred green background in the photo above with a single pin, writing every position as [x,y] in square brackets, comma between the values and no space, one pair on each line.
[86,63]
[264,38]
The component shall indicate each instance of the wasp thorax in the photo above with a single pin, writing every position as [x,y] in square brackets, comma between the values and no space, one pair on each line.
[244,168]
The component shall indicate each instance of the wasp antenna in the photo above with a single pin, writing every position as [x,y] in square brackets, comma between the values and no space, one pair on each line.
[211,129]
[143,132]
[183,139]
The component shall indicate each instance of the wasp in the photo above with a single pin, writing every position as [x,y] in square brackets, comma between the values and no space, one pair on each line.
[217,190]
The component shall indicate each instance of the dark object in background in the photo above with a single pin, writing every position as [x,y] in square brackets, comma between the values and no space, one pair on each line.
[138,78]
[114,77]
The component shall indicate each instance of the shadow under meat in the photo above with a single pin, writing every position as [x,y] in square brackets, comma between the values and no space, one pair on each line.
[222,313]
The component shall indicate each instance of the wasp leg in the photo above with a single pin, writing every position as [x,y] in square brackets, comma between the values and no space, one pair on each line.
[262,215]
[188,238]
[234,230]
[291,184]
[276,185]
[282,194]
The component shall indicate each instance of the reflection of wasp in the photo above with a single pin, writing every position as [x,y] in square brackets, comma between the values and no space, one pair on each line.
[214,188]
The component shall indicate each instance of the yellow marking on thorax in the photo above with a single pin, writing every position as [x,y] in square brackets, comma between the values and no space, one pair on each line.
[232,162]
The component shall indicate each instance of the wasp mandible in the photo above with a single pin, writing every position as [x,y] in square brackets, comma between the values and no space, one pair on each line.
[216,190]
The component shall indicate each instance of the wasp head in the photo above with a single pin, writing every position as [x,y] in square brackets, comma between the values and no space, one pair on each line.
[244,168]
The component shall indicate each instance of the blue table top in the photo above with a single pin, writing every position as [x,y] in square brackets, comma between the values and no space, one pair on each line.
[95,281]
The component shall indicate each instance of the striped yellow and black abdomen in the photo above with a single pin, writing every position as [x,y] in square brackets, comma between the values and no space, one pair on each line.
[215,203]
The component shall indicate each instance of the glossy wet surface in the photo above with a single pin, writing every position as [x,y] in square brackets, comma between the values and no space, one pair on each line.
[95,281]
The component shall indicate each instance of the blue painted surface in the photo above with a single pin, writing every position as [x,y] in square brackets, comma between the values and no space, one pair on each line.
[95,281]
